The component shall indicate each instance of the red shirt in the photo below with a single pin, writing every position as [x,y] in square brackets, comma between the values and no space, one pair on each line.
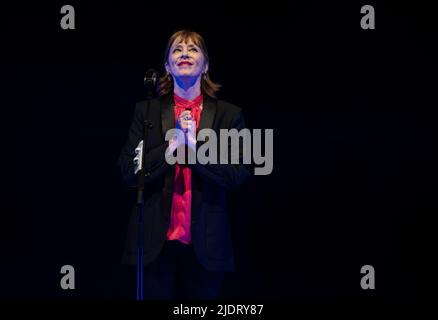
[180,216]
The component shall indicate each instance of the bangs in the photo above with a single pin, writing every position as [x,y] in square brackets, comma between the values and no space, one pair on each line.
[187,36]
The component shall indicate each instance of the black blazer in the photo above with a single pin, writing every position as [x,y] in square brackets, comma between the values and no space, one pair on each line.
[210,228]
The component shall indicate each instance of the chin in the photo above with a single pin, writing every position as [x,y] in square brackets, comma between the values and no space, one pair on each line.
[187,75]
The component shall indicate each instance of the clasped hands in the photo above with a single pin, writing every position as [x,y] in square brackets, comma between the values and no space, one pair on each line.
[186,135]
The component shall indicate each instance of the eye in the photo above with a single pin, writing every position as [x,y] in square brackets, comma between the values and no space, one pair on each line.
[176,50]
[194,49]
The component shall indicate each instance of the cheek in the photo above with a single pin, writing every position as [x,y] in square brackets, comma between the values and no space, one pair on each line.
[171,60]
[171,63]
[200,61]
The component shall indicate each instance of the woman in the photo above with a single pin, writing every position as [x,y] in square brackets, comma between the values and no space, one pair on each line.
[188,245]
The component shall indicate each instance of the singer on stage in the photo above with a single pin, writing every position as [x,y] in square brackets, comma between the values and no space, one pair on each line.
[188,246]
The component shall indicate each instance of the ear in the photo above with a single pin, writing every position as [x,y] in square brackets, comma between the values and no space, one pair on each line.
[206,68]
[166,66]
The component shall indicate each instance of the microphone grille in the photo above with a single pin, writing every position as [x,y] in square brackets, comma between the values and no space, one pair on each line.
[151,77]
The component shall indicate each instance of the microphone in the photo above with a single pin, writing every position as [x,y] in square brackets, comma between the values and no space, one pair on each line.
[150,81]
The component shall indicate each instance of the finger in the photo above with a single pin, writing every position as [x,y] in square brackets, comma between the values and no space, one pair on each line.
[185,113]
[185,119]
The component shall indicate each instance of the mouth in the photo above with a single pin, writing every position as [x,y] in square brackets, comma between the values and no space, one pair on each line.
[183,63]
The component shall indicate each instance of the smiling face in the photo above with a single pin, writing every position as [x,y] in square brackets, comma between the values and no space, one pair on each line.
[186,60]
[186,63]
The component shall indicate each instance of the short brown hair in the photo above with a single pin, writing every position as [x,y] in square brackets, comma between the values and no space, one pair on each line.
[165,84]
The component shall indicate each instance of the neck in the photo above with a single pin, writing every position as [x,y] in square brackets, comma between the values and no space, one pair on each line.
[187,88]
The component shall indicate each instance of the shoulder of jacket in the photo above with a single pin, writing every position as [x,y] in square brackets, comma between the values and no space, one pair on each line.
[142,105]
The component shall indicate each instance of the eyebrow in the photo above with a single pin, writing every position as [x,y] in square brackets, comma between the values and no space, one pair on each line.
[190,45]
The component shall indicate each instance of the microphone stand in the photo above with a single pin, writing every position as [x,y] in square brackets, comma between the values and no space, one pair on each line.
[149,82]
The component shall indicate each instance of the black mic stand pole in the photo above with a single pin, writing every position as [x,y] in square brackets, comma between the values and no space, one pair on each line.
[150,84]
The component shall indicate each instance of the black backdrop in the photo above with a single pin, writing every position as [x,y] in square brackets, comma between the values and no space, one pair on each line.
[350,109]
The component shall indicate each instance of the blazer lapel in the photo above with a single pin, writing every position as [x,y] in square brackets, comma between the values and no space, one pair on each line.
[167,123]
[167,114]
[208,113]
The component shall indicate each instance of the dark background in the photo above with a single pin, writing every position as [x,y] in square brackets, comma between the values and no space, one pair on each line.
[351,109]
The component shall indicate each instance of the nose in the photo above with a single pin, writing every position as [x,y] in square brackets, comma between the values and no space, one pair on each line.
[185,53]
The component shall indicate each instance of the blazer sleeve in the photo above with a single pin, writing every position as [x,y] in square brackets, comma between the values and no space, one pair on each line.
[155,164]
[228,176]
